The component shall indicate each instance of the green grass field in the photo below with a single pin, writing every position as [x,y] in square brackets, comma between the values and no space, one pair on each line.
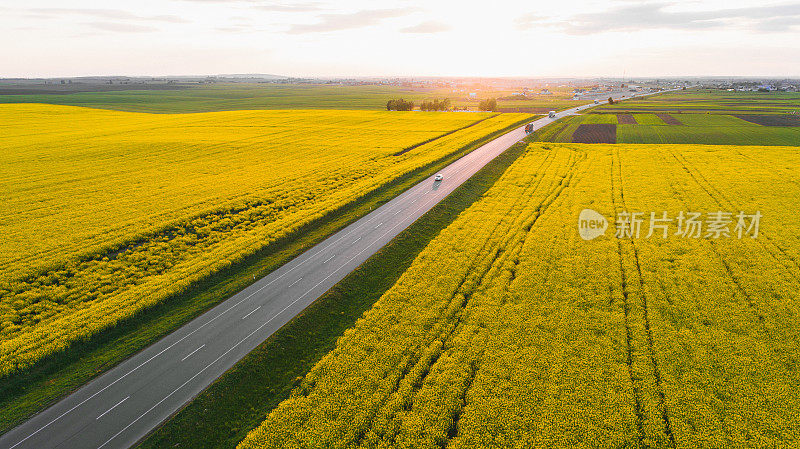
[229,97]
[648,119]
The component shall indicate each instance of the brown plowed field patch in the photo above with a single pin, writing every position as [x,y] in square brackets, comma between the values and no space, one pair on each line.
[595,133]
[669,120]
[772,120]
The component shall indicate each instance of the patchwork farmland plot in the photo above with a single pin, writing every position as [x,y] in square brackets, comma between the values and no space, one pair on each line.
[709,129]
[610,119]
[595,133]
[669,119]
[509,330]
[663,128]
[712,101]
[772,120]
[649,120]
[115,211]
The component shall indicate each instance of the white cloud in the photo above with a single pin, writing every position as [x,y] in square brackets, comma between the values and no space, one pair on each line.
[294,7]
[430,26]
[122,27]
[346,21]
[116,14]
[662,15]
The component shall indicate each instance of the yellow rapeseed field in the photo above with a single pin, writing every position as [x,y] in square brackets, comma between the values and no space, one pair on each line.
[107,213]
[510,330]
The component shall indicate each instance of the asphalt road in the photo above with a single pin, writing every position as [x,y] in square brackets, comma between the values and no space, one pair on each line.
[121,406]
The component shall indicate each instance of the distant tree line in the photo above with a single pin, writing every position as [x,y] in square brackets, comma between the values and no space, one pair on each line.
[435,105]
[399,105]
[488,105]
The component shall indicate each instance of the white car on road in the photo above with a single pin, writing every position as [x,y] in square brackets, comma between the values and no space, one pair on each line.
[438,177]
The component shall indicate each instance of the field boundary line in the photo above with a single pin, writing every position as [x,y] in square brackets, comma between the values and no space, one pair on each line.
[646,312]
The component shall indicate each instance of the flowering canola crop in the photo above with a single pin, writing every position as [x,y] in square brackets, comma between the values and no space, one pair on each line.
[510,330]
[107,213]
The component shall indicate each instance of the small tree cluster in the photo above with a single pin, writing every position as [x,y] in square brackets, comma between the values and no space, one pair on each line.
[399,105]
[435,105]
[488,105]
[610,100]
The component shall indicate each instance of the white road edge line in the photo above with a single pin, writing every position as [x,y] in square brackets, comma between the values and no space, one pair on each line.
[343,265]
[192,353]
[399,202]
[251,312]
[112,408]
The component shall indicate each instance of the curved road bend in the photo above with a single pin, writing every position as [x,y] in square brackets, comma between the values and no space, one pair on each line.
[121,406]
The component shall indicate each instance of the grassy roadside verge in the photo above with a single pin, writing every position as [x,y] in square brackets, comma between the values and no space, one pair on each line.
[24,394]
[238,401]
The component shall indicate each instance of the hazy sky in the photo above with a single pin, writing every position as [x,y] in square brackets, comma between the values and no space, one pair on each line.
[377,37]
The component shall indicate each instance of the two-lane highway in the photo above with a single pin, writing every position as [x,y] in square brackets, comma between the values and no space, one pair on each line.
[120,407]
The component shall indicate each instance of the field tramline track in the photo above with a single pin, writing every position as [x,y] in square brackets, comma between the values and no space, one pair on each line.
[646,315]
